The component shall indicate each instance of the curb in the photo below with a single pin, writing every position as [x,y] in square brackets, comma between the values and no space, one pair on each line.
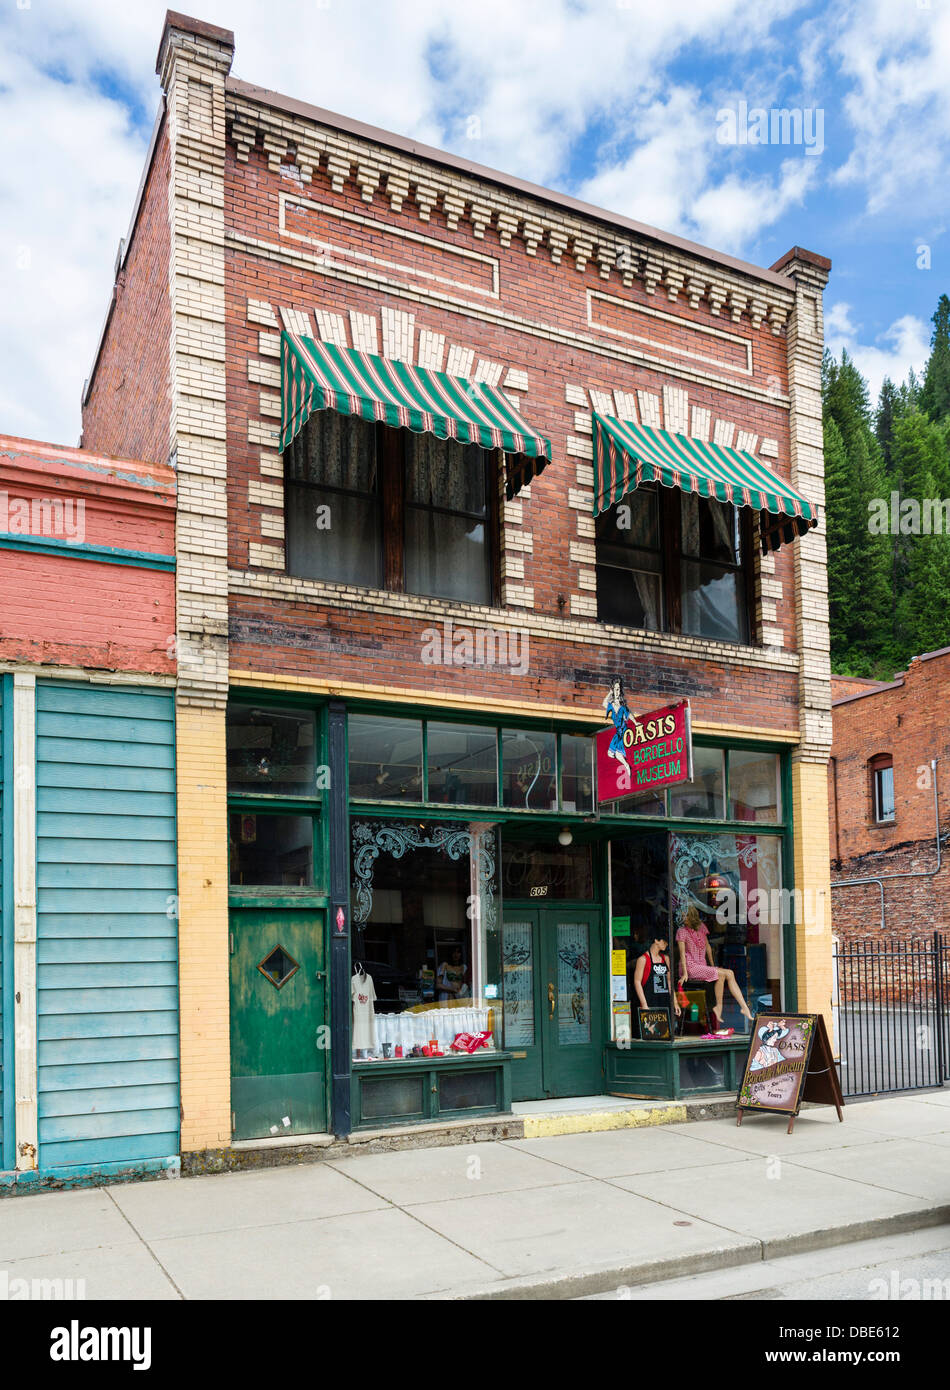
[609,1278]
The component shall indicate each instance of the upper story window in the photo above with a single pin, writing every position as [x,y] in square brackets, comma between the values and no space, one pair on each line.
[389,509]
[881,769]
[673,561]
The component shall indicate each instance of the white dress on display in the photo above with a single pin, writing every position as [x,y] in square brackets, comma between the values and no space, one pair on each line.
[363,994]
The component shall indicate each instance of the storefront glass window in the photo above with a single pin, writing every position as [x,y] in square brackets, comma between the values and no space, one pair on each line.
[529,770]
[754,786]
[270,851]
[724,888]
[735,884]
[545,870]
[270,750]
[704,797]
[463,764]
[425,931]
[648,803]
[385,758]
[577,777]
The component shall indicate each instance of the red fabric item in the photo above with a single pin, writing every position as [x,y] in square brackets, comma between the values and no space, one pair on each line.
[470,1042]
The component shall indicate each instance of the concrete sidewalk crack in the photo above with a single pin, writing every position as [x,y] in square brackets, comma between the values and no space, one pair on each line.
[142,1241]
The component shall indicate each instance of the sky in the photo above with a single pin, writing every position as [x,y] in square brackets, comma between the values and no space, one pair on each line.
[651,108]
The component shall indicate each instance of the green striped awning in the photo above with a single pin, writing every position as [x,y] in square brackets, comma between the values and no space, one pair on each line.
[627,454]
[322,376]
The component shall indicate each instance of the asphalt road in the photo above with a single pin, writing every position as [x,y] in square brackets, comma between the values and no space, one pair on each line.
[910,1267]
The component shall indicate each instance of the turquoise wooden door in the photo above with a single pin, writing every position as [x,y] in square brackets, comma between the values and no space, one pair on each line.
[553,1001]
[279,1041]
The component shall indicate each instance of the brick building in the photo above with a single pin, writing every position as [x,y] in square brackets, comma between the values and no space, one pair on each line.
[408,400]
[889,802]
[88,965]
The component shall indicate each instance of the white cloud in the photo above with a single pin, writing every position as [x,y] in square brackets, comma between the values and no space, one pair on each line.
[892,353]
[673,179]
[896,58]
[78,91]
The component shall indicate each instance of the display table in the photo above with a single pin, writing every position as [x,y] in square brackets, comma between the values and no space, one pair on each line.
[672,1070]
[407,1090]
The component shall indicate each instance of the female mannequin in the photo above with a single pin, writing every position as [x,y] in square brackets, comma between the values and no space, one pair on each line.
[696,964]
[653,976]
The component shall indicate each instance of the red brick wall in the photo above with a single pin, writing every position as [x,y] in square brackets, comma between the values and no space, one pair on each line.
[271,635]
[128,410]
[97,614]
[908,721]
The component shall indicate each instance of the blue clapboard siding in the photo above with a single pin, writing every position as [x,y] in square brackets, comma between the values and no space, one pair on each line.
[107,957]
[6,908]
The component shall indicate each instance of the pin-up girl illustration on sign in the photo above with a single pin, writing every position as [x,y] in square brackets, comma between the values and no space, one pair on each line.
[768,1054]
[615,704]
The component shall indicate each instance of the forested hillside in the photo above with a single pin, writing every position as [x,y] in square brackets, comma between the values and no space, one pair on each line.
[889,594]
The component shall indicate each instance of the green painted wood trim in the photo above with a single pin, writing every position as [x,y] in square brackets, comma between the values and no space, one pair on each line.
[80,550]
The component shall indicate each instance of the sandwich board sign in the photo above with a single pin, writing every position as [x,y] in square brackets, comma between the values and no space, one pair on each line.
[789,1061]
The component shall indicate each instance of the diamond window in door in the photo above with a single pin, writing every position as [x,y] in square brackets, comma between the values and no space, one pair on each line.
[278,966]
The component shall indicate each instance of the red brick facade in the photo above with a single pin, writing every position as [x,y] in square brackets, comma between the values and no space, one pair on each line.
[367,646]
[127,405]
[106,608]
[907,720]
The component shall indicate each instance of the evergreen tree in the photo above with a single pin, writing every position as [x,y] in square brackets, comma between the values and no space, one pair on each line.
[935,392]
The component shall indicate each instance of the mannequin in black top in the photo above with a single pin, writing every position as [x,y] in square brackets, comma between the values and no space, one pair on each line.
[653,977]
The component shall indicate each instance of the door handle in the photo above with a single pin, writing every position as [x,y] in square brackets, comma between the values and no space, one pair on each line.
[552,997]
[319,974]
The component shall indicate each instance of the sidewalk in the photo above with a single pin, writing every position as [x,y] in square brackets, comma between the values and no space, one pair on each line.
[559,1216]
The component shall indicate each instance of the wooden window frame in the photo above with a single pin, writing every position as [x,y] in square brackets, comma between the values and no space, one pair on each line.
[392,512]
[881,762]
[672,557]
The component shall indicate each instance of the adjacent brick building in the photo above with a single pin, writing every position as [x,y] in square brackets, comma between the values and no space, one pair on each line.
[88,958]
[293,235]
[889,802]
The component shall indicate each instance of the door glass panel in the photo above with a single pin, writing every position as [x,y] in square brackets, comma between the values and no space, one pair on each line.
[573,983]
[518,985]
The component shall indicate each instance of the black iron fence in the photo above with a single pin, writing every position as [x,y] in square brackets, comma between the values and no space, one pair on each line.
[892,1014]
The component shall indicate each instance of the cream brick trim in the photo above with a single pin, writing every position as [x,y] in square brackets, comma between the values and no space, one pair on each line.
[326,153]
[331,327]
[342,596]
[364,332]
[649,409]
[699,428]
[723,433]
[263,373]
[268,556]
[618,351]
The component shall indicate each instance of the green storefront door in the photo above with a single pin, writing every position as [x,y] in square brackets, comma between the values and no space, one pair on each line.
[279,1046]
[554,1001]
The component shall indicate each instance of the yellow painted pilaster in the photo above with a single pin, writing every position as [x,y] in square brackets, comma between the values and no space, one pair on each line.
[813,882]
[203,928]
